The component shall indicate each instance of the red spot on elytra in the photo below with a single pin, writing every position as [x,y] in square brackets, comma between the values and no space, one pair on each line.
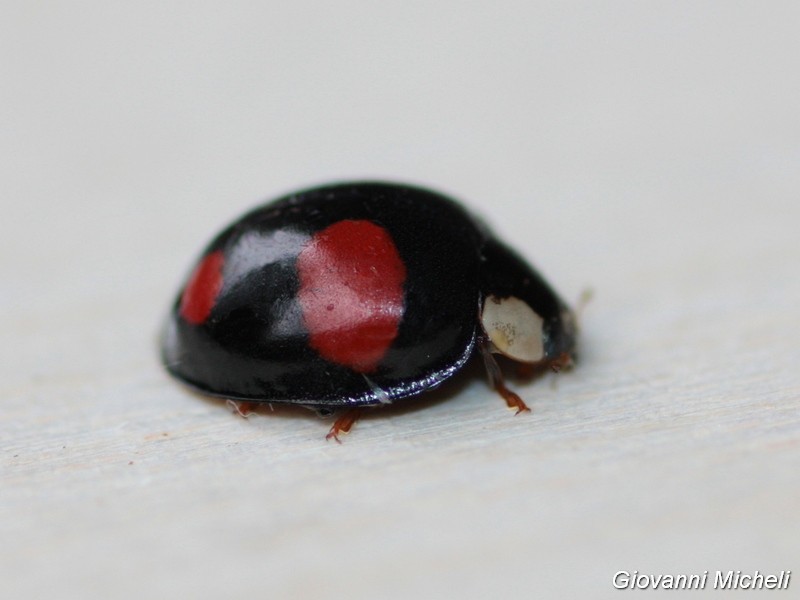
[351,293]
[203,288]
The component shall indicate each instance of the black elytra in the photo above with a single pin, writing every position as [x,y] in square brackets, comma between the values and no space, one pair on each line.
[358,294]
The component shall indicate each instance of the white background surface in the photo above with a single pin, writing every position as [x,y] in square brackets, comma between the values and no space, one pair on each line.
[649,151]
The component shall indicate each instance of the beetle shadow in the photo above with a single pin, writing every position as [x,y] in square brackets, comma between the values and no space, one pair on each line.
[449,390]
[517,374]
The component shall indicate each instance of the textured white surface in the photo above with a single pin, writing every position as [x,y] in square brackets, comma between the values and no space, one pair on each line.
[650,151]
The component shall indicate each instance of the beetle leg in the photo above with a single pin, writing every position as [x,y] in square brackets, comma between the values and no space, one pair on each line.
[243,408]
[343,424]
[498,383]
[526,370]
[562,362]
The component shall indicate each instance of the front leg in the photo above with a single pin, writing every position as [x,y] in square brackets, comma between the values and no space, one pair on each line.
[497,381]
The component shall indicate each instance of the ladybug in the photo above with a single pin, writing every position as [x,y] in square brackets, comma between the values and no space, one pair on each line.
[355,295]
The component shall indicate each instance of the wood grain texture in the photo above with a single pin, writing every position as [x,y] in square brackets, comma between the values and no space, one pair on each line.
[640,151]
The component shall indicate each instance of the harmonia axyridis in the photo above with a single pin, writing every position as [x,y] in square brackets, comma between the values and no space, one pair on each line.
[358,294]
